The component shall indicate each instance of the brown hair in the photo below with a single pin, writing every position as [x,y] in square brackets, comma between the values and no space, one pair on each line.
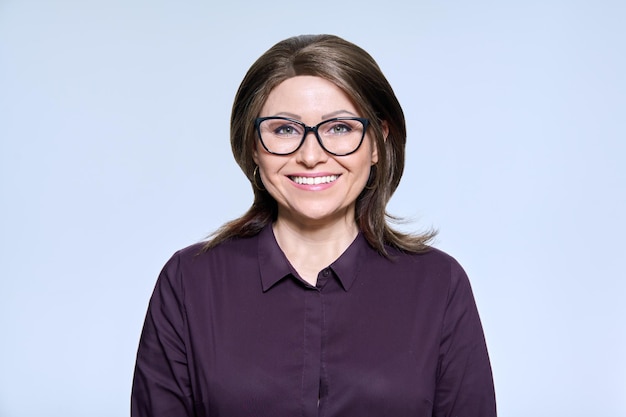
[354,71]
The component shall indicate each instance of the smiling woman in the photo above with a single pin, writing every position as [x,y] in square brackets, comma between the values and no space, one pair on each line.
[310,303]
[314,189]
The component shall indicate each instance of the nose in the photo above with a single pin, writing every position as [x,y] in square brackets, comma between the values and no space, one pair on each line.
[311,152]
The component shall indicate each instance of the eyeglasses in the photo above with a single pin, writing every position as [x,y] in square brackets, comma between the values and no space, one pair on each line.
[339,136]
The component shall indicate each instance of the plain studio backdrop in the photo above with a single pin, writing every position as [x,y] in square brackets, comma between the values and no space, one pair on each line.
[114,153]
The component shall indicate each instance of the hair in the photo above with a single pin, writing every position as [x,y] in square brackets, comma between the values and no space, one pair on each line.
[354,71]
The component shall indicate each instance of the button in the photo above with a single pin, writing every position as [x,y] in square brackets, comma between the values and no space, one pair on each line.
[326,272]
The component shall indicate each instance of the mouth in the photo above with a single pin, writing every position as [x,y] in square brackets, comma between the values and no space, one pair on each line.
[326,179]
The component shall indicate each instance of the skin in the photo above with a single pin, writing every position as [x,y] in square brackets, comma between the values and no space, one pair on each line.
[315,223]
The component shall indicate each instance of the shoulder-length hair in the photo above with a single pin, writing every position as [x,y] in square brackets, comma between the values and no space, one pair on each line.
[354,71]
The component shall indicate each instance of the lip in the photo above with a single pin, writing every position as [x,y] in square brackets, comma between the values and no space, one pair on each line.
[313,187]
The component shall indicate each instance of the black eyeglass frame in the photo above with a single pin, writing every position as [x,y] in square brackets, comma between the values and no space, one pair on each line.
[307,129]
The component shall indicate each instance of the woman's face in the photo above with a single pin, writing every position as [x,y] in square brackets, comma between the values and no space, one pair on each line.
[312,186]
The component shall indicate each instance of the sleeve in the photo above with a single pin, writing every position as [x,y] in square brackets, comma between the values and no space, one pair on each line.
[161,384]
[464,379]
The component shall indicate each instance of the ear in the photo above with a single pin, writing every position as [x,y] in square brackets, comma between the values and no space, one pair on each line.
[385,129]
[255,154]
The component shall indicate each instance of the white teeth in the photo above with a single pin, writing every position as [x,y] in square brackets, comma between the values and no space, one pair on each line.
[314,180]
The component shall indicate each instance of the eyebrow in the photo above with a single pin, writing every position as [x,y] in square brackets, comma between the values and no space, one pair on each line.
[287,114]
[324,117]
[337,113]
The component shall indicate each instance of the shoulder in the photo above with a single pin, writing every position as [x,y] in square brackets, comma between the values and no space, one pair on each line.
[235,248]
[432,267]
[196,260]
[431,258]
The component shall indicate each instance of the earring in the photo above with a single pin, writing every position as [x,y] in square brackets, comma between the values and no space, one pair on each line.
[254,182]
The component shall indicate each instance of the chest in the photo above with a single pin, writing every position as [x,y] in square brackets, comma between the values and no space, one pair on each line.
[294,350]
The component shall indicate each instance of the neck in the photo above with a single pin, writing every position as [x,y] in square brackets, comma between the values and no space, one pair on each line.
[311,248]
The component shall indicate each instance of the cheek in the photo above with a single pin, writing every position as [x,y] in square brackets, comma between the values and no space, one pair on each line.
[264,163]
[269,166]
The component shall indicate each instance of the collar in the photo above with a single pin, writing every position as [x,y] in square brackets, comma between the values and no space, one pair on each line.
[274,265]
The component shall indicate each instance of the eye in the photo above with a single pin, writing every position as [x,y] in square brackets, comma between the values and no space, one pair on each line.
[339,128]
[281,128]
[285,130]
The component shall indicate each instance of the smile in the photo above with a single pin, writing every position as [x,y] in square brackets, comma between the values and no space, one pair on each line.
[314,180]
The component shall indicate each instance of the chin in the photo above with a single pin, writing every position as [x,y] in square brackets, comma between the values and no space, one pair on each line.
[324,215]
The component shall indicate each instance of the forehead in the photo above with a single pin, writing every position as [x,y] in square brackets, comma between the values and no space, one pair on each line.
[307,96]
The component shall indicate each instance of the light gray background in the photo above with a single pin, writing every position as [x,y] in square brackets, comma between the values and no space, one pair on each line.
[114,153]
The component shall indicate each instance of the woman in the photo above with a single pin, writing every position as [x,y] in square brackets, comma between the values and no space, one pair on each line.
[310,303]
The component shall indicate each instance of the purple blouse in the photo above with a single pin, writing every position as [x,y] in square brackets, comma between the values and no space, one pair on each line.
[234,332]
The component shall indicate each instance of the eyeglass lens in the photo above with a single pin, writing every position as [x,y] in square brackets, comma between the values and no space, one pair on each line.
[339,136]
